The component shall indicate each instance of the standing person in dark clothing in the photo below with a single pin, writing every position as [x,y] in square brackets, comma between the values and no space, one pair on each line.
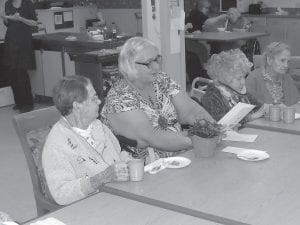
[197,52]
[198,16]
[19,18]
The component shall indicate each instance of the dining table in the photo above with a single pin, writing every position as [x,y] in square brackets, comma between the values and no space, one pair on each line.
[226,189]
[108,209]
[280,126]
[225,36]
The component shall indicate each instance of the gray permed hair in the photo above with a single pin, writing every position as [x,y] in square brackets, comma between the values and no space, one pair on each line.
[224,66]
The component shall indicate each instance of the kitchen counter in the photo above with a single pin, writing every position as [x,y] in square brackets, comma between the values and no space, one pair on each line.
[272,15]
[83,43]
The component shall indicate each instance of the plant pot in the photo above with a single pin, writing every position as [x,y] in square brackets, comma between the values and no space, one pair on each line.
[204,147]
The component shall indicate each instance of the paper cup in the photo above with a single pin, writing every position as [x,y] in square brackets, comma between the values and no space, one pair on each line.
[204,147]
[136,169]
[289,114]
[275,113]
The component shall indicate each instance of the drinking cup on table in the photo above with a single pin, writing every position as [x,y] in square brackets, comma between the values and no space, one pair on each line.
[121,171]
[289,114]
[136,169]
[275,113]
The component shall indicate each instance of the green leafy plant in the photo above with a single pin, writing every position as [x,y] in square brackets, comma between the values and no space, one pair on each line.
[205,129]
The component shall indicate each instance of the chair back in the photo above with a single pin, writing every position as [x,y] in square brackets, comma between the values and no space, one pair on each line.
[32,129]
[199,86]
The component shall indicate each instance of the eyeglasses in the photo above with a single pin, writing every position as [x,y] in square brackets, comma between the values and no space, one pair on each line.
[157,59]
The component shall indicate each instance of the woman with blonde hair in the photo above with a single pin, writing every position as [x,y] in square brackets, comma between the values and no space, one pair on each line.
[147,105]
[271,83]
[228,70]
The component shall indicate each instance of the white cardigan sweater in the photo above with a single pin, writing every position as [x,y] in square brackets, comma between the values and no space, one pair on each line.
[68,160]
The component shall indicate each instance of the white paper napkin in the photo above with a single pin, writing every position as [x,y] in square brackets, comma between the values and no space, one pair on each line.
[232,135]
[48,221]
[9,223]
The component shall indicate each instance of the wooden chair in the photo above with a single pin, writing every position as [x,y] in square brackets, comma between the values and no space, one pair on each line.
[32,129]
[199,86]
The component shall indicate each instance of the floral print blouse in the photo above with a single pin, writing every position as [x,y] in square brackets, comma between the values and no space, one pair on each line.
[275,88]
[123,97]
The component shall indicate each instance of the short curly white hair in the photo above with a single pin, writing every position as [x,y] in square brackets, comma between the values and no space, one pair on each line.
[225,65]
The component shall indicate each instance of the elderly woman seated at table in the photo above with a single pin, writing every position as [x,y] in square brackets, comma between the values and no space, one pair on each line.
[232,21]
[147,105]
[228,70]
[271,82]
[80,152]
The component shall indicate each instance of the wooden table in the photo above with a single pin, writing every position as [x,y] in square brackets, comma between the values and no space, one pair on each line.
[107,209]
[224,36]
[224,188]
[266,124]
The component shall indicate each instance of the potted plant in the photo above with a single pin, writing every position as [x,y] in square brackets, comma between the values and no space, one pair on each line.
[205,136]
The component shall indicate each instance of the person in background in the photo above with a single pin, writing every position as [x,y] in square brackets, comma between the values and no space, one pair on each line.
[20,19]
[147,105]
[231,21]
[197,16]
[228,70]
[271,83]
[196,52]
[80,153]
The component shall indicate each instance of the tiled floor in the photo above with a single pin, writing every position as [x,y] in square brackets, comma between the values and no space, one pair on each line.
[16,195]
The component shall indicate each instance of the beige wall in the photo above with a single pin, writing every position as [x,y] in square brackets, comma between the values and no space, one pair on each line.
[124,19]
[281,3]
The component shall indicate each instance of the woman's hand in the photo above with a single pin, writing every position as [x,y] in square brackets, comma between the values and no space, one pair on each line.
[14,17]
[103,177]
[262,111]
[188,26]
[121,172]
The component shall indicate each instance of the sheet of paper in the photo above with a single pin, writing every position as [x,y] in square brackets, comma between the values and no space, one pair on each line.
[236,150]
[235,136]
[177,18]
[58,19]
[236,114]
[297,116]
[68,16]
[48,221]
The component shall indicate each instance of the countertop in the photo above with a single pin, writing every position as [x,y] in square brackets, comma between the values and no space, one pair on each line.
[297,16]
[82,43]
[98,56]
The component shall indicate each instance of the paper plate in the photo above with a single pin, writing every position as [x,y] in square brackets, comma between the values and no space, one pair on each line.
[71,38]
[176,162]
[253,155]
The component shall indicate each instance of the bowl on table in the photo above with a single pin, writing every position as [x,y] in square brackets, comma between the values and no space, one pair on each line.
[221,29]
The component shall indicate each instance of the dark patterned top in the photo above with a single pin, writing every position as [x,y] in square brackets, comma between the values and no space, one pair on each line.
[122,98]
[217,104]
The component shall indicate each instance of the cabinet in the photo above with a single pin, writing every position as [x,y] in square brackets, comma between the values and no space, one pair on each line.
[292,36]
[285,30]
[49,70]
